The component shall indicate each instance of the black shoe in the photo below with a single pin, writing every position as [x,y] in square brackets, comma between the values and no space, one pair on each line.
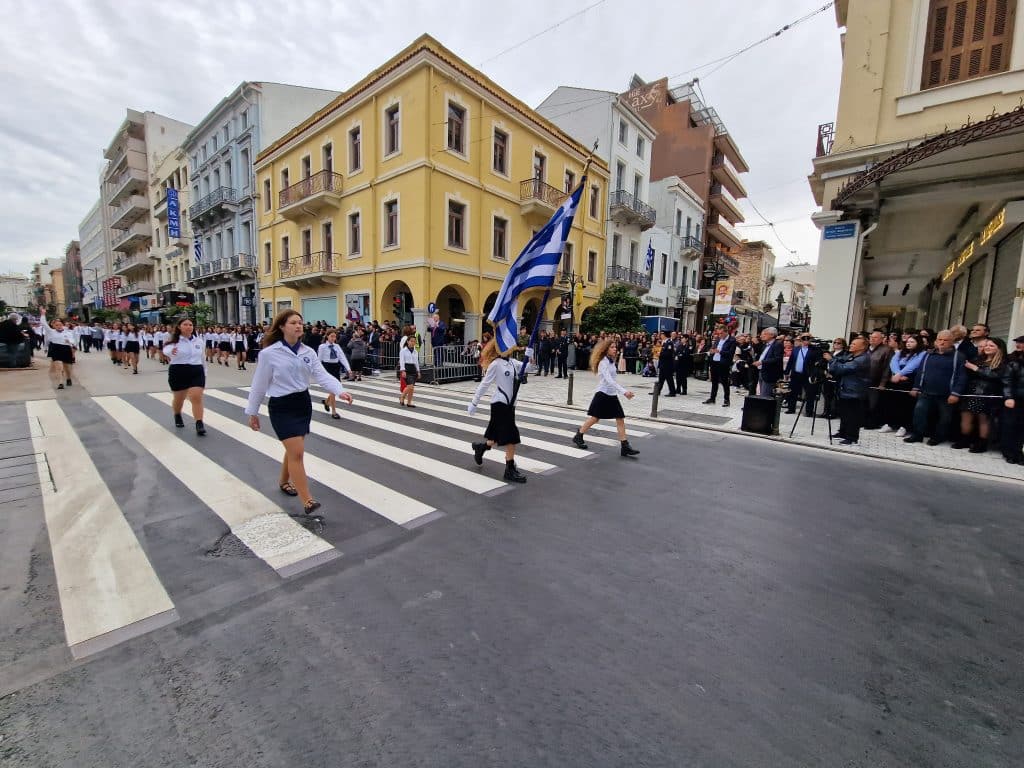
[725,404]
[671,394]
[959,445]
[578,440]
[325,405]
[178,421]
[837,436]
[478,452]
[791,411]
[980,447]
[69,382]
[848,442]
[60,386]
[627,450]
[709,401]
[933,442]
[200,428]
[913,439]
[512,474]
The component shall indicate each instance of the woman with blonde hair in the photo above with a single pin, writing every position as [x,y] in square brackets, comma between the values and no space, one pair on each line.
[605,404]
[501,428]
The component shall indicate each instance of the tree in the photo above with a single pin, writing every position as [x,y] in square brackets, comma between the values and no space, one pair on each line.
[617,311]
[200,313]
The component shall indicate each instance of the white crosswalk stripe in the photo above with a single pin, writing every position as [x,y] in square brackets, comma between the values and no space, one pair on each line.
[259,523]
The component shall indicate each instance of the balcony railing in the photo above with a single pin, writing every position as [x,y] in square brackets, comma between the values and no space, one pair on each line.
[133,208]
[535,189]
[136,233]
[222,266]
[636,210]
[136,287]
[131,180]
[318,183]
[689,242]
[629,276]
[316,263]
[219,197]
[826,138]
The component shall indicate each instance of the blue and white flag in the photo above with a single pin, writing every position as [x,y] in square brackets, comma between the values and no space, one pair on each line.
[535,267]
[197,250]
[649,264]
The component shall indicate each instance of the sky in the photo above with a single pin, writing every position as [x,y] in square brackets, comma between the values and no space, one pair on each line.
[70,69]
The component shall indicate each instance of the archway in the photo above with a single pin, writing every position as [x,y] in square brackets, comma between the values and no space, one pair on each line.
[584,316]
[452,304]
[529,318]
[396,303]
[488,306]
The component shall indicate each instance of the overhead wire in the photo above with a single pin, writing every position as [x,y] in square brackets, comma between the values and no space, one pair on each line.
[544,31]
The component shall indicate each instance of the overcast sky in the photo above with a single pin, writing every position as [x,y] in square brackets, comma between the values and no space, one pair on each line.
[70,69]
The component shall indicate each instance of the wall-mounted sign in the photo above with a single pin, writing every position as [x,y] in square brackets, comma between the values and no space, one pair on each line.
[987,233]
[841,231]
[111,287]
[173,214]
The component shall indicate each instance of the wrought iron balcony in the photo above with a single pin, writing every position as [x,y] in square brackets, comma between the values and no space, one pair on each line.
[623,207]
[311,195]
[311,270]
[690,245]
[221,268]
[631,277]
[536,197]
[136,288]
[220,201]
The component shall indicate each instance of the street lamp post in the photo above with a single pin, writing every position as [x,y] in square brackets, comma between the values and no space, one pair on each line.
[780,300]
[570,280]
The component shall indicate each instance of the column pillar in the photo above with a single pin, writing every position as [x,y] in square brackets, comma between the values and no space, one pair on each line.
[473,326]
[419,319]
[838,275]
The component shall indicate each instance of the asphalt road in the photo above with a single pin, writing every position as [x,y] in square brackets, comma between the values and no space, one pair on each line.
[723,601]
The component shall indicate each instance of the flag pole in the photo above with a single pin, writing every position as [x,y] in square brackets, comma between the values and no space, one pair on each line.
[547,293]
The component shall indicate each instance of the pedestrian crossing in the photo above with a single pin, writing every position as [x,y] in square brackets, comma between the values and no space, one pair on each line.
[380,471]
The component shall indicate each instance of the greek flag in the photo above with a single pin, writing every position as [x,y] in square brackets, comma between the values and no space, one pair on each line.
[197,250]
[649,264]
[535,267]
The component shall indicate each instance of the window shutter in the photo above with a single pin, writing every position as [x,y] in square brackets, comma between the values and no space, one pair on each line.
[967,39]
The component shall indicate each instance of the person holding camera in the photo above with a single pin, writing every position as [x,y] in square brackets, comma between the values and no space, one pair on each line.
[853,376]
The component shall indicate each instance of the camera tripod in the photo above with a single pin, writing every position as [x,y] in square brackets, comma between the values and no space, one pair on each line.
[802,400]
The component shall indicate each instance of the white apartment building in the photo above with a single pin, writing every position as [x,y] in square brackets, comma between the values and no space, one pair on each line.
[139,144]
[95,244]
[624,141]
[15,291]
[796,283]
[678,245]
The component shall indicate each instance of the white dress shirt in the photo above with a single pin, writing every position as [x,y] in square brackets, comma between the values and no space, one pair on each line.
[189,351]
[503,373]
[606,381]
[279,372]
[718,351]
[324,353]
[54,336]
[408,357]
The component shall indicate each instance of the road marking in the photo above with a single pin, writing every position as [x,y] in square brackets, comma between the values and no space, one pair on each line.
[471,481]
[389,504]
[523,407]
[265,528]
[108,589]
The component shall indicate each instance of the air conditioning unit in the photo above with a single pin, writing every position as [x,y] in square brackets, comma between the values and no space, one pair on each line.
[739,295]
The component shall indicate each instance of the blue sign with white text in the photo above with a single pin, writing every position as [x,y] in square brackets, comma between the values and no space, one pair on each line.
[173,214]
[840,231]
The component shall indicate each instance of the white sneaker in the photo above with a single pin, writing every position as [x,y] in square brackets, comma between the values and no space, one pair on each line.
[886,428]
[901,432]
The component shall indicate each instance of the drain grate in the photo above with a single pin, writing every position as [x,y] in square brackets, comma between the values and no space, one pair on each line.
[229,545]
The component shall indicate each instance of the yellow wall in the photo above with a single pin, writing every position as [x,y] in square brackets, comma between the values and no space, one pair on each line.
[423,176]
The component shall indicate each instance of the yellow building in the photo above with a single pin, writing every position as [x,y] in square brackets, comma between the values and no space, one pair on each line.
[920,177]
[420,185]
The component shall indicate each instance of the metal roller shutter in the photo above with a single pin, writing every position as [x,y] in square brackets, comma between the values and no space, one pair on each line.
[975,291]
[956,315]
[1004,284]
[942,319]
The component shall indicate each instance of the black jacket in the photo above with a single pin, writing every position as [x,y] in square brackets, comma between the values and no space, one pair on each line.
[811,361]
[1013,379]
[728,350]
[940,375]
[562,346]
[854,375]
[771,366]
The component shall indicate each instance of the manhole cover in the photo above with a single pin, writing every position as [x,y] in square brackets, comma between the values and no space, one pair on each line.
[229,545]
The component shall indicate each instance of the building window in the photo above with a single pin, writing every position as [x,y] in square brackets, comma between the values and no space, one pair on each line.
[616,248]
[213,143]
[307,246]
[268,259]
[246,168]
[685,270]
[307,167]
[698,231]
[640,145]
[245,119]
[392,130]
[227,134]
[500,163]
[679,223]
[266,195]
[689,227]
[570,181]
[284,179]
[966,39]
[592,266]
[285,251]
[634,249]
[355,150]
[327,157]
[567,259]
[456,128]
[595,201]
[623,132]
[391,223]
[638,181]
[620,176]
[540,166]
[354,233]
[664,267]
[500,236]
[675,273]
[456,225]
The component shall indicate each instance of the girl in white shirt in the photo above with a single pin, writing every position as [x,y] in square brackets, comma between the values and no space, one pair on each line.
[239,346]
[132,345]
[501,428]
[210,338]
[61,350]
[186,373]
[409,364]
[283,371]
[333,358]
[605,404]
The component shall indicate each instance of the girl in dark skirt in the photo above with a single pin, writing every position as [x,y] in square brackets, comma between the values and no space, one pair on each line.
[334,361]
[409,364]
[283,371]
[132,347]
[605,404]
[60,349]
[501,428]
[186,373]
[239,345]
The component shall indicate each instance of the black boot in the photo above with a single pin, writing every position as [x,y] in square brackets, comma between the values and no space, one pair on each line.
[981,446]
[512,474]
[627,449]
[478,452]
[178,421]
[578,440]
[200,428]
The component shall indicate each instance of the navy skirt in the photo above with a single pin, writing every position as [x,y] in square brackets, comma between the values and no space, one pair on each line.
[181,377]
[501,428]
[605,407]
[290,414]
[61,353]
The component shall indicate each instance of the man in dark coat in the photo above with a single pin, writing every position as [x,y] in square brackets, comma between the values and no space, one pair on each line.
[723,348]
[769,362]
[802,367]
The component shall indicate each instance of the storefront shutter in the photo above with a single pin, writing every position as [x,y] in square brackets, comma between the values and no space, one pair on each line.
[1004,284]
[975,291]
[956,313]
[967,39]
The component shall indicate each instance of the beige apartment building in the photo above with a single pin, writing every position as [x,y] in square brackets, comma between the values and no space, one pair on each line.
[920,178]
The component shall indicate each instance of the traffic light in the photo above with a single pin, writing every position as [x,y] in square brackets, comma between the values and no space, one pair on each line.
[398,304]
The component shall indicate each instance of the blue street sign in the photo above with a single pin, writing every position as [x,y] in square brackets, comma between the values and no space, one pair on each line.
[431,308]
[841,231]
[173,214]
[98,302]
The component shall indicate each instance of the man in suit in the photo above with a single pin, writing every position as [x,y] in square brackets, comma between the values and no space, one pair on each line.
[769,363]
[802,366]
[562,355]
[667,364]
[723,348]
[880,354]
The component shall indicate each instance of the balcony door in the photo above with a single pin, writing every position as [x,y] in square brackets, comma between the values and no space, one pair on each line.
[328,241]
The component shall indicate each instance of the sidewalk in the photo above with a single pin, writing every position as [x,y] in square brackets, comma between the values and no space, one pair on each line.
[690,411]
